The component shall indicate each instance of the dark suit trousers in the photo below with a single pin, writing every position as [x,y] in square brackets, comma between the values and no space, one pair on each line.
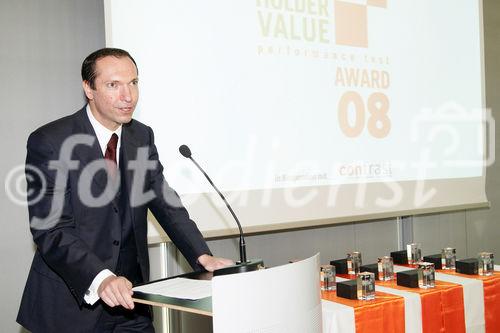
[120,320]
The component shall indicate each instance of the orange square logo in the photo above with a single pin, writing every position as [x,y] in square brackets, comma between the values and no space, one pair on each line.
[351,23]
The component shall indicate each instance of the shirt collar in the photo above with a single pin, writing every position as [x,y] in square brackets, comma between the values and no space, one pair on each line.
[103,134]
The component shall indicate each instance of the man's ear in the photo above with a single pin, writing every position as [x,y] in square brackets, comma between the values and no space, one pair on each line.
[89,92]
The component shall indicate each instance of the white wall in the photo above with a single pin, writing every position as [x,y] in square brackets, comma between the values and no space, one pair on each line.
[43,44]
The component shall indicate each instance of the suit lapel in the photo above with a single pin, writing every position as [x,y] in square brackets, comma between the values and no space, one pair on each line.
[128,151]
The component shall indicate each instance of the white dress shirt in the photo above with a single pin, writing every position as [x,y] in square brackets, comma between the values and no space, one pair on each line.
[103,135]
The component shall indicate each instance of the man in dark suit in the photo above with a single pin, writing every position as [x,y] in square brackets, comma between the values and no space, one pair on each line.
[92,176]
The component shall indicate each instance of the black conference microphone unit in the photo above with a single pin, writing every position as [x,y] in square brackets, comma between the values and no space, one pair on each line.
[243,265]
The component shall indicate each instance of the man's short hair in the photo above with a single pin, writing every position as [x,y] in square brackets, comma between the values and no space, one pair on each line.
[88,65]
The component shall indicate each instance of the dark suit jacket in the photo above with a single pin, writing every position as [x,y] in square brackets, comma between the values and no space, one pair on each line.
[75,241]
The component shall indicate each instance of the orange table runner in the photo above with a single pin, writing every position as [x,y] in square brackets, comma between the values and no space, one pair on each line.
[383,314]
[491,287]
[442,306]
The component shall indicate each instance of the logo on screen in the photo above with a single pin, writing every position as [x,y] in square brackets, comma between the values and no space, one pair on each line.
[312,21]
[351,21]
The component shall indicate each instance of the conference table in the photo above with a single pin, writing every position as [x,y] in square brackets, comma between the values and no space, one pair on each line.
[458,303]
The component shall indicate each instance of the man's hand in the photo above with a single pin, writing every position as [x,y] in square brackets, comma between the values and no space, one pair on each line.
[115,291]
[212,263]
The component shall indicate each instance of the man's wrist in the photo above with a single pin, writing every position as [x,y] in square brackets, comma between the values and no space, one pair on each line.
[92,295]
[202,259]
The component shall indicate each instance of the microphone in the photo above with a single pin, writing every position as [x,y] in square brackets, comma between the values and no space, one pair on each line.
[243,265]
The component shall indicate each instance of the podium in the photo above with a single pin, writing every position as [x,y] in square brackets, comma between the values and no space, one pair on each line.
[279,299]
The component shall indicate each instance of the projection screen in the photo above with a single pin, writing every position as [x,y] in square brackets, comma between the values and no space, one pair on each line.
[311,112]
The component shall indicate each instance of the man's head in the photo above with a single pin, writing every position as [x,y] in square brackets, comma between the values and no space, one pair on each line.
[110,83]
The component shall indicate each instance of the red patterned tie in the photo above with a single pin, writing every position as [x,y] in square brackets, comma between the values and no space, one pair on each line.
[110,154]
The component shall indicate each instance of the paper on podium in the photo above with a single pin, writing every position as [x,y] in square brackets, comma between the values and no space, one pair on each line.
[178,288]
[280,299]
